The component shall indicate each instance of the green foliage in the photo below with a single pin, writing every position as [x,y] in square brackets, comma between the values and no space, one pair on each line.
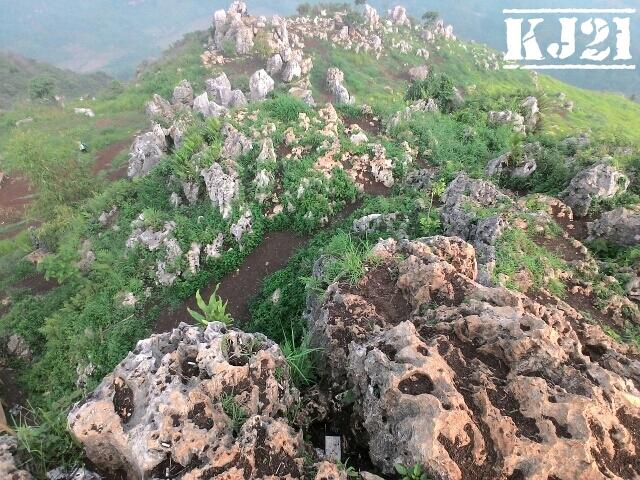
[430,18]
[411,473]
[42,88]
[234,411]
[438,86]
[215,310]
[285,108]
[300,357]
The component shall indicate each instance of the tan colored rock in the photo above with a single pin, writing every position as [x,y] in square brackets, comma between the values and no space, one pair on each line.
[9,469]
[477,382]
[170,403]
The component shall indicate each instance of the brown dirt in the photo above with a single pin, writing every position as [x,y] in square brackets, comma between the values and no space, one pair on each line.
[10,393]
[36,283]
[367,123]
[238,287]
[576,228]
[15,195]
[105,157]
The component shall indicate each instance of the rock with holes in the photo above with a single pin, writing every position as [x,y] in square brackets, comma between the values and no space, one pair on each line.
[260,85]
[9,468]
[464,199]
[600,181]
[470,381]
[194,404]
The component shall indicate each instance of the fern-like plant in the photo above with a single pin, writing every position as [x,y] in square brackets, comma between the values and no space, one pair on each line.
[411,473]
[215,310]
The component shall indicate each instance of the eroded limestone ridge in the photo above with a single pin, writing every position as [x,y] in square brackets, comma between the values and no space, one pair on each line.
[194,403]
[477,382]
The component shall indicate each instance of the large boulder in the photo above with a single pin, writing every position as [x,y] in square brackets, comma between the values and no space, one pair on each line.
[219,89]
[235,143]
[476,382]
[371,16]
[260,85]
[620,227]
[418,73]
[147,150]
[600,181]
[159,110]
[194,404]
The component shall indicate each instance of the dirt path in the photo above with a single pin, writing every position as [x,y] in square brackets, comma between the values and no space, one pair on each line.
[105,157]
[240,286]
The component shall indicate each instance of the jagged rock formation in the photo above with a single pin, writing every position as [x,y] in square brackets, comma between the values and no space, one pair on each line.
[522,169]
[463,198]
[147,150]
[194,404]
[620,227]
[599,181]
[477,382]
[335,79]
[260,85]
[9,470]
[222,187]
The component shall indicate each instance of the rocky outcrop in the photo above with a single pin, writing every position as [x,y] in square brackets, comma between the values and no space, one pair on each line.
[371,16]
[476,382]
[260,84]
[235,143]
[398,16]
[233,29]
[339,92]
[620,227]
[182,95]
[507,117]
[219,89]
[159,110]
[9,468]
[223,188]
[147,150]
[197,404]
[600,181]
[463,199]
[521,168]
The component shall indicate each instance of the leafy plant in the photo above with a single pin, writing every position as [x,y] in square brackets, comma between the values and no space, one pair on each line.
[215,310]
[234,411]
[299,356]
[347,469]
[411,473]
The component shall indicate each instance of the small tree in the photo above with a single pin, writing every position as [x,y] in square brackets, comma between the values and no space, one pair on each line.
[41,88]
[430,18]
[360,2]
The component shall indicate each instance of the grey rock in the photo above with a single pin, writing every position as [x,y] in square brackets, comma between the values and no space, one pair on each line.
[235,143]
[219,89]
[183,94]
[260,85]
[418,73]
[238,100]
[147,150]
[274,64]
[223,188]
[291,71]
[599,181]
[620,227]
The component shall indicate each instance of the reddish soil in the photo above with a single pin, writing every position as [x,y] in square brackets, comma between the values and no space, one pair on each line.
[576,228]
[105,157]
[10,394]
[367,123]
[15,195]
[238,287]
[37,284]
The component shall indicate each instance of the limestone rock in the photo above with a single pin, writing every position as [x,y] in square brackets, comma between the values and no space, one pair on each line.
[274,64]
[235,143]
[620,227]
[419,73]
[8,465]
[238,99]
[219,89]
[398,16]
[508,117]
[223,188]
[147,150]
[371,16]
[461,198]
[476,382]
[291,71]
[260,85]
[335,79]
[598,181]
[166,406]
[183,94]
[303,94]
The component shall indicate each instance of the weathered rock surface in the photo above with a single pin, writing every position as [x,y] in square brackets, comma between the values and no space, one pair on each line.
[599,181]
[147,150]
[9,470]
[477,382]
[335,79]
[235,143]
[222,187]
[167,409]
[398,16]
[620,227]
[219,89]
[260,85]
[419,73]
[183,94]
[463,198]
[508,117]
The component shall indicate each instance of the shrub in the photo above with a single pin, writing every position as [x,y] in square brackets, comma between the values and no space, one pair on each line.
[437,86]
[215,310]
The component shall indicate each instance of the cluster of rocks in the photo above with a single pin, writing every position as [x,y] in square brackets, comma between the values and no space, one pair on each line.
[476,382]
[519,168]
[525,123]
[335,85]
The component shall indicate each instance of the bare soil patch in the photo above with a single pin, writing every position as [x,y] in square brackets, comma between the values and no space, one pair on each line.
[105,156]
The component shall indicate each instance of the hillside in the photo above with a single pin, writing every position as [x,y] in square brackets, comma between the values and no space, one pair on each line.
[17,73]
[333,228]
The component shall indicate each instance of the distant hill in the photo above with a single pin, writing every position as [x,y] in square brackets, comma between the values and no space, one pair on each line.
[17,72]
